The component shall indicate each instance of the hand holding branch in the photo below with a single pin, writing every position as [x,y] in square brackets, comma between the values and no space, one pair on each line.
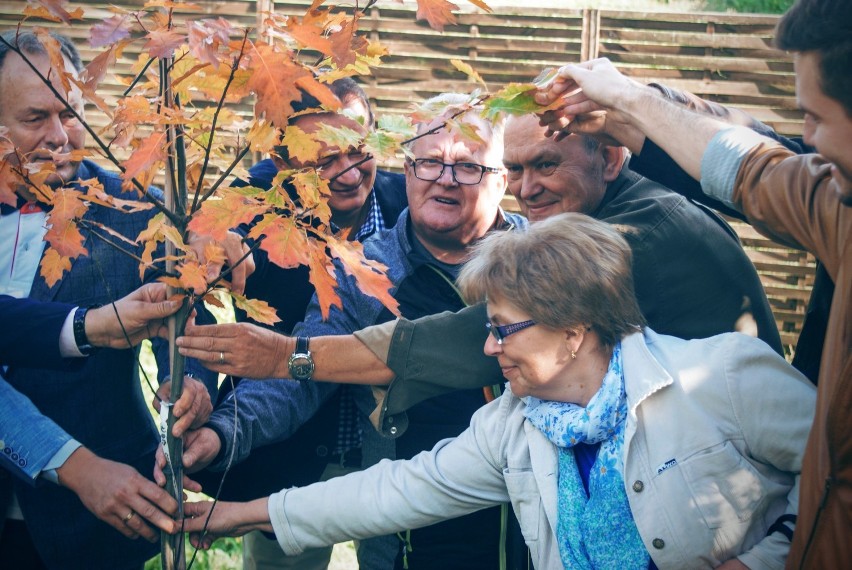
[118,495]
[200,448]
[140,315]
[192,409]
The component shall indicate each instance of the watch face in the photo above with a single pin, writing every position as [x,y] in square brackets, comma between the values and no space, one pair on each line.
[301,366]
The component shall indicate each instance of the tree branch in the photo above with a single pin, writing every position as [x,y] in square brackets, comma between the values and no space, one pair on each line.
[234,66]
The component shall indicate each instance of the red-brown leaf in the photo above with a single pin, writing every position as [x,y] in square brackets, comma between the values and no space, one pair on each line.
[162,43]
[63,234]
[217,216]
[205,38]
[109,31]
[285,242]
[151,151]
[323,279]
[438,13]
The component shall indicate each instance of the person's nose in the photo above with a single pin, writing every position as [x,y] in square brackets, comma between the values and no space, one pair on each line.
[529,186]
[55,136]
[492,347]
[347,173]
[446,178]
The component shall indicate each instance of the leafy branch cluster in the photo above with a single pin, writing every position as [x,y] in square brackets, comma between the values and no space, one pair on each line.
[174,117]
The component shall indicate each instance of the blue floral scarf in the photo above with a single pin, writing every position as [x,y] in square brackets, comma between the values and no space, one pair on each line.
[595,531]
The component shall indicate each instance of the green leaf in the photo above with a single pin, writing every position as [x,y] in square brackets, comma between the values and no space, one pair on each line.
[341,137]
[397,124]
[381,145]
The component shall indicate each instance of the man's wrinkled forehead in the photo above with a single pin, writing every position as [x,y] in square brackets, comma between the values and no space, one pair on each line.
[457,131]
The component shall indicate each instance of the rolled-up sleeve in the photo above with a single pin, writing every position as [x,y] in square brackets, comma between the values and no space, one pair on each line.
[722,160]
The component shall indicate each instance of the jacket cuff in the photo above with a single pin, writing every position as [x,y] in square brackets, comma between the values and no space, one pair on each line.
[722,160]
[278,518]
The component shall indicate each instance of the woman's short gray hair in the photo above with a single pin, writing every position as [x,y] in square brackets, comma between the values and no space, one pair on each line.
[567,272]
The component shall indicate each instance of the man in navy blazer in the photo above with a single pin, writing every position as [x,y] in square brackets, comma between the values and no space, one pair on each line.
[98,437]
[40,333]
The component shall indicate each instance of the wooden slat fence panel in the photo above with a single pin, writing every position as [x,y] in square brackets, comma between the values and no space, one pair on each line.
[724,57]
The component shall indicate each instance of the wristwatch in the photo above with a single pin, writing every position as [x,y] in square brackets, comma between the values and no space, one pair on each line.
[301,363]
[79,327]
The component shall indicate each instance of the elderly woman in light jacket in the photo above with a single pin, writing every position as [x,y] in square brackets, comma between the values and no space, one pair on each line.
[617,447]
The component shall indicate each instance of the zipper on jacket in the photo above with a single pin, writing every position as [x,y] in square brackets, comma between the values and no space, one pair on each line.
[822,502]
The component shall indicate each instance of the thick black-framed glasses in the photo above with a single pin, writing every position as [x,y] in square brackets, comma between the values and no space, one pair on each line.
[500,333]
[431,169]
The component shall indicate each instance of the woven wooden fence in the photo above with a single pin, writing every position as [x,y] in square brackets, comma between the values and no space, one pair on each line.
[723,57]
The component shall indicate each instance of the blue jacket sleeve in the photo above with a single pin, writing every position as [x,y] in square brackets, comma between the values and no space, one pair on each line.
[30,332]
[260,412]
[29,438]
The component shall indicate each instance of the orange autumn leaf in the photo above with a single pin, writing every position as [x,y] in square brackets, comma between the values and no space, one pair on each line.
[10,178]
[285,243]
[53,10]
[150,237]
[370,275]
[438,13]
[482,5]
[193,277]
[94,73]
[323,94]
[57,60]
[256,309]
[274,83]
[309,32]
[63,234]
[95,193]
[323,279]
[217,216]
[53,266]
[346,44]
[151,151]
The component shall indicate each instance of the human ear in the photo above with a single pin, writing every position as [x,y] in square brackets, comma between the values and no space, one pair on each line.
[613,157]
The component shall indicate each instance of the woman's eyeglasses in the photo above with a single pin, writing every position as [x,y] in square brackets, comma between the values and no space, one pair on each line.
[501,333]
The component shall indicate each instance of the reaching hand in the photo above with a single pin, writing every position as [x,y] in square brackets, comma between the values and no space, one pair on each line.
[228,519]
[142,313]
[595,94]
[118,495]
[192,409]
[239,349]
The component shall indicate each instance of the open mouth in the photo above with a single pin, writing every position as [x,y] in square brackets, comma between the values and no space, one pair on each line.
[448,201]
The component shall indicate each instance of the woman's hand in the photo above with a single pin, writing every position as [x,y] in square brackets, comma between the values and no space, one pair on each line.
[228,519]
